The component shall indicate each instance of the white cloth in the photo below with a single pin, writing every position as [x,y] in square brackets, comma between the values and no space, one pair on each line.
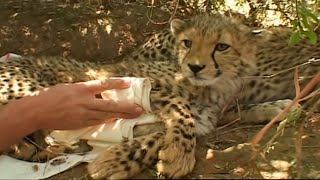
[113,132]
[99,136]
[9,56]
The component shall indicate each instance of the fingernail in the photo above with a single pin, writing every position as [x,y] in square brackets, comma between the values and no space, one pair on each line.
[138,109]
[104,81]
[127,81]
[124,81]
[111,120]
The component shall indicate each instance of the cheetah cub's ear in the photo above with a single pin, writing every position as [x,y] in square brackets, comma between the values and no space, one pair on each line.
[260,35]
[176,26]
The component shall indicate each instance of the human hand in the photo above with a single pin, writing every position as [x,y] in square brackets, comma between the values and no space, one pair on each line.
[72,106]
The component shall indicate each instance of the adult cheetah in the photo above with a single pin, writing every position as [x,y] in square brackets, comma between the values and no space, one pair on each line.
[208,62]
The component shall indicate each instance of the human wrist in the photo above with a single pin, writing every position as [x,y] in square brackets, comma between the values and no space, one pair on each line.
[21,113]
[15,123]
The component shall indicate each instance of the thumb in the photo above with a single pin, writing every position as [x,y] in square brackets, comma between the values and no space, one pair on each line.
[98,86]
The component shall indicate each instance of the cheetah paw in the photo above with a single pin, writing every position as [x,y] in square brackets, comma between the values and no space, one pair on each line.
[269,110]
[110,164]
[22,150]
[264,112]
[175,161]
[127,159]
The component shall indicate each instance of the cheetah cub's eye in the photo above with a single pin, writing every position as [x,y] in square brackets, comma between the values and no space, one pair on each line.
[222,47]
[187,43]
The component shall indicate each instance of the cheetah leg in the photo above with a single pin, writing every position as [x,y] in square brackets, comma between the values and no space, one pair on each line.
[255,113]
[127,159]
[34,148]
[174,149]
[145,129]
[28,147]
[22,150]
[177,155]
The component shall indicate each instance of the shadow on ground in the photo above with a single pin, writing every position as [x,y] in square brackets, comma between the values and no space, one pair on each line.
[90,32]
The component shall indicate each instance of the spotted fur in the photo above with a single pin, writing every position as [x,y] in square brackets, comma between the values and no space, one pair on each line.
[198,68]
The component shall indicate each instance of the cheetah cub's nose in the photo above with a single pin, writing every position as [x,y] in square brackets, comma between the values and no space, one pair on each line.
[195,68]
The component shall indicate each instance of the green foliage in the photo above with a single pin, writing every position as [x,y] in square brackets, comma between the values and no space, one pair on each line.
[294,116]
[304,25]
[290,119]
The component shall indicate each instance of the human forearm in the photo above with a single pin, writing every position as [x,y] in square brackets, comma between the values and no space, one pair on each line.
[15,123]
[63,106]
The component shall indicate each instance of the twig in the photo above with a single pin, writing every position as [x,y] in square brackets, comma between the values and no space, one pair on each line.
[229,124]
[230,101]
[310,61]
[305,146]
[149,15]
[298,148]
[238,128]
[257,138]
[312,94]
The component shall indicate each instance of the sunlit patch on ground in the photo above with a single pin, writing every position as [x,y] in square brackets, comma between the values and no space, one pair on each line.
[87,31]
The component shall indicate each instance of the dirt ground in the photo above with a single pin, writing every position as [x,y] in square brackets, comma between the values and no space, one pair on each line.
[87,31]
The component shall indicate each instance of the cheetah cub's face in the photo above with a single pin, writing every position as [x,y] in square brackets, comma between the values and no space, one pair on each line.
[213,47]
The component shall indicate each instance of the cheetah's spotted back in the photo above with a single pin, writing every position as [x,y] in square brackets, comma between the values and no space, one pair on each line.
[197,68]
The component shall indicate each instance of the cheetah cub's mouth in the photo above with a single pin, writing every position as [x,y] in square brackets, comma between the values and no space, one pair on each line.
[211,48]
[199,81]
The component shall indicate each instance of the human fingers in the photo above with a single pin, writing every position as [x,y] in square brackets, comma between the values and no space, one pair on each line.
[97,86]
[102,115]
[93,122]
[115,106]
[96,122]
[121,115]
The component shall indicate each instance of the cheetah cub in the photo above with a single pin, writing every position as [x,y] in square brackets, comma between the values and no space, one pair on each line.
[197,69]
[218,61]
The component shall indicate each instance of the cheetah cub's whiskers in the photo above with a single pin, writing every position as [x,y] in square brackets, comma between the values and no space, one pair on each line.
[210,54]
